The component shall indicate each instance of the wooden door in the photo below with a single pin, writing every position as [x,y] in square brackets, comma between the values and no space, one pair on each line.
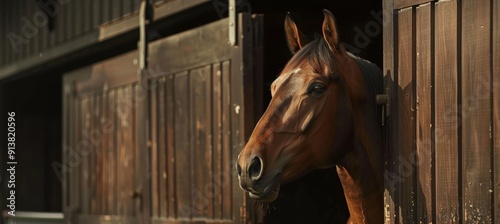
[101,158]
[441,62]
[200,96]
[202,110]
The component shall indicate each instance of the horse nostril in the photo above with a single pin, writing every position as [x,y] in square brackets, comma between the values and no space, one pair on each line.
[255,168]
[238,168]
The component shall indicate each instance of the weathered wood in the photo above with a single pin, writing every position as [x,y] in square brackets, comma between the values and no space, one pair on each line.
[476,111]
[129,149]
[172,159]
[200,89]
[120,148]
[406,118]
[182,146]
[162,149]
[227,141]
[218,144]
[85,122]
[111,151]
[424,93]
[106,133]
[154,151]
[495,24]
[445,110]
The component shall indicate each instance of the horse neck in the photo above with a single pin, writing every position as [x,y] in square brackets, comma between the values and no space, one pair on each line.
[361,170]
[362,187]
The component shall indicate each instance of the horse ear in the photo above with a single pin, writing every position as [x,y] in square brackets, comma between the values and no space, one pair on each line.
[330,32]
[295,39]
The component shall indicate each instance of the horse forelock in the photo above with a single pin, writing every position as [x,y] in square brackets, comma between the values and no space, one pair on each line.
[315,54]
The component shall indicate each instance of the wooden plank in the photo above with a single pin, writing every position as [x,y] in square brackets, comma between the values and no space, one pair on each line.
[138,165]
[182,146]
[217,144]
[85,117]
[476,111]
[227,141]
[87,16]
[60,22]
[106,129]
[96,14]
[96,155]
[154,151]
[129,152]
[162,149]
[171,162]
[116,9]
[119,153]
[495,24]
[75,140]
[93,156]
[406,108]
[78,17]
[111,150]
[424,91]
[390,197]
[201,112]
[445,110]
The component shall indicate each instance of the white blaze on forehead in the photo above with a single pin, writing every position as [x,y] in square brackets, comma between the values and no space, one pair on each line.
[283,77]
[286,76]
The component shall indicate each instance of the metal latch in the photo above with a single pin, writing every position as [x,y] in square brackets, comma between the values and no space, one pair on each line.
[385,101]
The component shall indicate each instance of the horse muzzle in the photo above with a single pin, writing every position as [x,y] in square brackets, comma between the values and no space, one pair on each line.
[250,175]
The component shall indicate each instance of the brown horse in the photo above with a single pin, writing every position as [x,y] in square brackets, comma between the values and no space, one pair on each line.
[322,114]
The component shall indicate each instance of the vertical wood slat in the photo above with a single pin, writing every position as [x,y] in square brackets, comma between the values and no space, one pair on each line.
[116,9]
[111,150]
[496,107]
[77,179]
[476,111]
[79,17]
[138,165]
[60,22]
[154,151]
[87,16]
[119,153]
[446,98]
[171,142]
[94,141]
[129,153]
[17,29]
[96,157]
[85,159]
[227,141]
[201,125]
[96,14]
[405,162]
[218,144]
[162,149]
[182,145]
[106,129]
[424,134]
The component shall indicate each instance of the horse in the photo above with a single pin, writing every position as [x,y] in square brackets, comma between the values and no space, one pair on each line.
[323,113]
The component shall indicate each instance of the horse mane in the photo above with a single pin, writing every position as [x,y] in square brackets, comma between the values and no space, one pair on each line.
[373,80]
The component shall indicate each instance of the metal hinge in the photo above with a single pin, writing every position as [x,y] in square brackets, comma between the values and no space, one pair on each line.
[233,22]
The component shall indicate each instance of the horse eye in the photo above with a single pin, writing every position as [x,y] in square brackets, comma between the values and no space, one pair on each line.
[317,89]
